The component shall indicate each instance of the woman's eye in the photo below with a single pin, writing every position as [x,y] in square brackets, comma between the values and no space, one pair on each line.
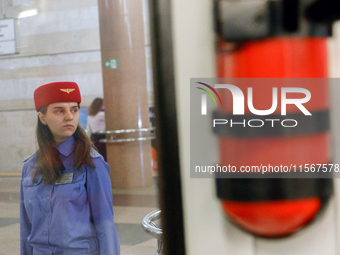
[75,110]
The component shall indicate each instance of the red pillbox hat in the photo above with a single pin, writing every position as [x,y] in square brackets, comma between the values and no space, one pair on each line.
[56,92]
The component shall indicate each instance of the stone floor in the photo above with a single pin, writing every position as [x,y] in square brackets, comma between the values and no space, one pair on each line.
[130,206]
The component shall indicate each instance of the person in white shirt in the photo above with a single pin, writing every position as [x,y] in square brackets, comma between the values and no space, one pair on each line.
[96,123]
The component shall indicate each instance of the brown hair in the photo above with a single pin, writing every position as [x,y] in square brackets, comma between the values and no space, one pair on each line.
[48,161]
[95,106]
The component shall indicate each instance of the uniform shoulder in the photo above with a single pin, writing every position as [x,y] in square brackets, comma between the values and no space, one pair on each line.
[98,161]
[29,165]
[94,153]
[30,159]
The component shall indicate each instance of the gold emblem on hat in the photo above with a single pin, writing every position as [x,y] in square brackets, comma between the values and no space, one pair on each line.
[68,91]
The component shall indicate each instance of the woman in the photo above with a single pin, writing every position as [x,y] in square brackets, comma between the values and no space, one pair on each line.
[96,122]
[66,196]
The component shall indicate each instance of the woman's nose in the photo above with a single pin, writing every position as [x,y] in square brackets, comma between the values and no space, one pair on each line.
[69,115]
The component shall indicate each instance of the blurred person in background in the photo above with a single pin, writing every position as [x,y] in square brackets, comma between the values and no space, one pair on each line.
[96,123]
[65,195]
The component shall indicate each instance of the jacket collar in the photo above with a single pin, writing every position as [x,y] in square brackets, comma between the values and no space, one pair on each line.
[67,146]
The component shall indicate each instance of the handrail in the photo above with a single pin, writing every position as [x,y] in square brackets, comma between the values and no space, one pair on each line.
[126,139]
[150,227]
[113,134]
[110,132]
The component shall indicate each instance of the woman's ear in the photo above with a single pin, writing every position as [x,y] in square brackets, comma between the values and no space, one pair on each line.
[42,118]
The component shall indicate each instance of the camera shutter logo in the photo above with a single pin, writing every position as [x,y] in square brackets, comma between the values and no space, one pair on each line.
[204,97]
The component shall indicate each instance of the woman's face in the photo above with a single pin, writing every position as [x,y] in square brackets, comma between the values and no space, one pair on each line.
[62,119]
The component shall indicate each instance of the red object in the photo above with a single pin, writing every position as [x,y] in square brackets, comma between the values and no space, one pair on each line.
[275,58]
[274,218]
[154,160]
[56,92]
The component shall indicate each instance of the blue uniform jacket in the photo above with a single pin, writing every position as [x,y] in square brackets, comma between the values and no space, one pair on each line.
[74,218]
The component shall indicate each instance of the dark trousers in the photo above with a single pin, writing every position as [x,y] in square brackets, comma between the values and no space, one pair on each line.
[100,146]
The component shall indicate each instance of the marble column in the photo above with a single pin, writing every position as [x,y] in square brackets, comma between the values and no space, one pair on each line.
[125,90]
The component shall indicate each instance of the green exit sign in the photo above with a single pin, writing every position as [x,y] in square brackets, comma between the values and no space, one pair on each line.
[111,63]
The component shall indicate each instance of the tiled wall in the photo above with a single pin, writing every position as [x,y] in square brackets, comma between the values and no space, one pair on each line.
[60,43]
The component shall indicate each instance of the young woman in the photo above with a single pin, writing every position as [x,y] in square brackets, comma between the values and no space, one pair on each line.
[66,197]
[96,122]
